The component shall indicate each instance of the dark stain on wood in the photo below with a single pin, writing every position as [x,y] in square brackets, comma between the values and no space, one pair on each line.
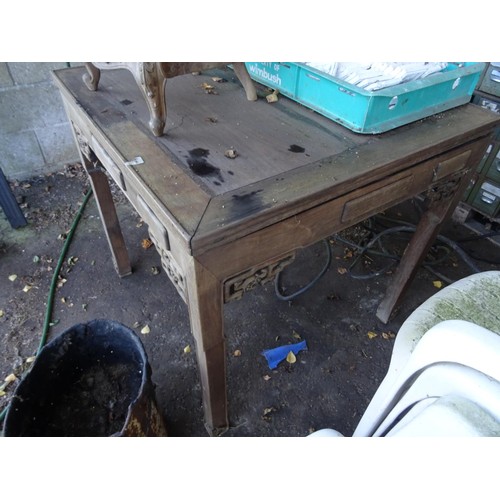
[294,148]
[197,161]
[246,197]
[246,203]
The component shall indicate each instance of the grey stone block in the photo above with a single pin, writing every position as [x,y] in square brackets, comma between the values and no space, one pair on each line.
[21,155]
[33,72]
[25,108]
[5,79]
[58,145]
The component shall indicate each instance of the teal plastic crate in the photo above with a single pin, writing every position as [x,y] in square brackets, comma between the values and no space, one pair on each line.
[368,112]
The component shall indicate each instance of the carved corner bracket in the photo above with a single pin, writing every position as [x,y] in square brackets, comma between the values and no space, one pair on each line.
[235,287]
[446,188]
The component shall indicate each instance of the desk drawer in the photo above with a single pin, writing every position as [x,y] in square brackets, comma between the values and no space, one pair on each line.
[388,192]
[494,169]
[156,228]
[364,205]
[107,162]
[487,198]
[490,82]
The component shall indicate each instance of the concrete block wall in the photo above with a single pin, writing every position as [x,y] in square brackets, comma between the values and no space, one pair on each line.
[35,136]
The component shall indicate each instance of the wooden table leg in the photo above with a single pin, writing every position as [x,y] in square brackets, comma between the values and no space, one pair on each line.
[107,211]
[205,303]
[442,198]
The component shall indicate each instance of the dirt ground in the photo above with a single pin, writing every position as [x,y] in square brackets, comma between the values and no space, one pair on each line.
[329,385]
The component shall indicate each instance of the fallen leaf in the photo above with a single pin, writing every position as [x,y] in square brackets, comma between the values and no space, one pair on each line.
[10,378]
[290,357]
[36,259]
[295,335]
[13,277]
[230,153]
[63,300]
[348,253]
[272,97]
[72,261]
[438,284]
[218,79]
[388,335]
[27,288]
[30,359]
[145,330]
[371,335]
[267,411]
[266,377]
[341,270]
[237,353]
[1,313]
[136,324]
[209,89]
[2,393]
[155,270]
[146,243]
[187,349]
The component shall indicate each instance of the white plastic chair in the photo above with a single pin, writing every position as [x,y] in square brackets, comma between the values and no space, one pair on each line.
[452,341]
[447,416]
[447,350]
[445,380]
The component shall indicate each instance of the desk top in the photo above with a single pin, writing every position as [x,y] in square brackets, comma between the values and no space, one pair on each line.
[289,158]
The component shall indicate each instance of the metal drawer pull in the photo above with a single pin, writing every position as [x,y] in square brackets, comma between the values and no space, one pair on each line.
[495,75]
[487,198]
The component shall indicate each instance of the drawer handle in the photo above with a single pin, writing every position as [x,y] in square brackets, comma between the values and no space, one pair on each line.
[487,198]
[495,76]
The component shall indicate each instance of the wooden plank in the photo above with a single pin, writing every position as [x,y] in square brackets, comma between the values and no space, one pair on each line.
[180,198]
[261,204]
[270,139]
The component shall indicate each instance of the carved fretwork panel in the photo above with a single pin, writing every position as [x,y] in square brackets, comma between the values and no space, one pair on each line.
[235,287]
[446,189]
[171,267]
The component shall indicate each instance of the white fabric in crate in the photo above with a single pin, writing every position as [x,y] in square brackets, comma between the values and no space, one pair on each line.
[373,76]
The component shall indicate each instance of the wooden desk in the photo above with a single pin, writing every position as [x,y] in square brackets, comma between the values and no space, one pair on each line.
[222,225]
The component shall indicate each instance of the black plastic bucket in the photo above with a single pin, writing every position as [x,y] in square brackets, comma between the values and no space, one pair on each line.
[92,380]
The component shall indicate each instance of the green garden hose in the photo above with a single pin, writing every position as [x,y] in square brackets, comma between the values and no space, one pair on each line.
[53,284]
